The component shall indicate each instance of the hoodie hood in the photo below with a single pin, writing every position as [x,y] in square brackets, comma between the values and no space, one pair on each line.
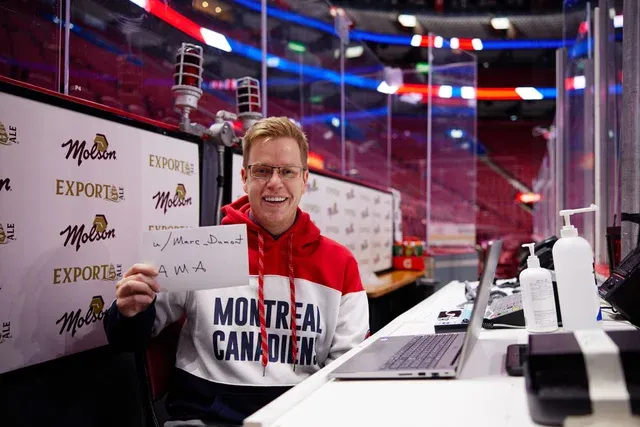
[306,232]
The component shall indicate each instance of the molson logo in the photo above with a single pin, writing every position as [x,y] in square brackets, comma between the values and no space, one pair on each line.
[333,210]
[176,165]
[8,138]
[365,213]
[312,185]
[5,184]
[5,334]
[311,208]
[351,194]
[99,151]
[7,233]
[333,229]
[350,229]
[165,202]
[76,235]
[333,191]
[103,272]
[90,190]
[72,321]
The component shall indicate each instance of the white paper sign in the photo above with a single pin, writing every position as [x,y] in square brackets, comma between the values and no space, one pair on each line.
[198,258]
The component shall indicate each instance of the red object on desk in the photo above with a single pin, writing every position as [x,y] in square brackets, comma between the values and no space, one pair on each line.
[408,263]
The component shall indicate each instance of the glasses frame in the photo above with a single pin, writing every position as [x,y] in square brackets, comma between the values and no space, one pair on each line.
[302,170]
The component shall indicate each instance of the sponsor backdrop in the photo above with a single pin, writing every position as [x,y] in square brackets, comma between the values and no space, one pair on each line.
[356,216]
[76,192]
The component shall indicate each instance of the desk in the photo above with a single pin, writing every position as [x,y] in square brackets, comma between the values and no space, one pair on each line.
[391,281]
[483,396]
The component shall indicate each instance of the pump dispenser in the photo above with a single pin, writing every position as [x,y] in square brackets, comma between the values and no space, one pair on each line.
[537,295]
[573,263]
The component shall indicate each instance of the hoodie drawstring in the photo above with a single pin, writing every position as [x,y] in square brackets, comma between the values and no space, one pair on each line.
[264,345]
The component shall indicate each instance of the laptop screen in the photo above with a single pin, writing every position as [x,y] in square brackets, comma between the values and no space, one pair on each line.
[482,300]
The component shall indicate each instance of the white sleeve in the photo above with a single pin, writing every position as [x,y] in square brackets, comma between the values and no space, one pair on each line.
[170,307]
[353,324]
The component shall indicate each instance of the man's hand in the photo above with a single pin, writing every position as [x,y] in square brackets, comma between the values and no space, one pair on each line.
[137,290]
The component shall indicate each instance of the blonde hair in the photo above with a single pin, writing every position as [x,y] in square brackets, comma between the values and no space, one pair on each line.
[274,127]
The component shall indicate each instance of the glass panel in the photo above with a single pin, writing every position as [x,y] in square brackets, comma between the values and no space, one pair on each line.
[409,123]
[31,36]
[303,72]
[579,133]
[451,213]
[123,53]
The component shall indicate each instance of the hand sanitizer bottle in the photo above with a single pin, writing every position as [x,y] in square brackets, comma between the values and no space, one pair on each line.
[537,296]
[573,264]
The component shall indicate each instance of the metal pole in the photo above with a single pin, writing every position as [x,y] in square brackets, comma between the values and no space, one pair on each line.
[429,136]
[67,35]
[389,111]
[561,63]
[630,132]
[588,141]
[342,109]
[263,32]
[301,89]
[600,132]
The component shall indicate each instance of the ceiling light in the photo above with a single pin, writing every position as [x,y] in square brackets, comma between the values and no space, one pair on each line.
[477,44]
[218,9]
[467,92]
[335,122]
[205,4]
[438,42]
[618,21]
[416,40]
[354,51]
[445,91]
[214,39]
[456,133]
[579,82]
[409,21]
[454,43]
[384,87]
[500,23]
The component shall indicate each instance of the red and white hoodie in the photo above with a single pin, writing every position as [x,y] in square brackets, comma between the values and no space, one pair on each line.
[304,307]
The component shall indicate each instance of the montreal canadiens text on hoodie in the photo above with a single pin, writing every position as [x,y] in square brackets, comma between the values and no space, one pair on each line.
[242,347]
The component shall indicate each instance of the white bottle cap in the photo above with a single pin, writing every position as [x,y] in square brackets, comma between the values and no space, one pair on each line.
[569,230]
[533,261]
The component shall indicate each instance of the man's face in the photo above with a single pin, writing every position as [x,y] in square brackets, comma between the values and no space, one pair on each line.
[275,198]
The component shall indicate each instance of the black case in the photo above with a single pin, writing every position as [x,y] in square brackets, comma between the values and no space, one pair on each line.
[556,379]
[622,288]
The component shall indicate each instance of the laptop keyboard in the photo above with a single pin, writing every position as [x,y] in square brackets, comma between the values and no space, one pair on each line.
[422,352]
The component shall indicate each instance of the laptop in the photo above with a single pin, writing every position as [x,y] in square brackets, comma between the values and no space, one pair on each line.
[439,355]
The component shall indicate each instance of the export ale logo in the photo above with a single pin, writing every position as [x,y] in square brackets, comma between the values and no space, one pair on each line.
[90,190]
[164,201]
[102,272]
[99,150]
[76,235]
[72,321]
[7,233]
[8,137]
[176,165]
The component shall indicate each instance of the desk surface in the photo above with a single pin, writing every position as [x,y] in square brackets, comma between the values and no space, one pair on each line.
[391,281]
[484,395]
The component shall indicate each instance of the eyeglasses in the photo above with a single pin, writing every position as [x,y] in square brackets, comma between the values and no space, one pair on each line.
[260,171]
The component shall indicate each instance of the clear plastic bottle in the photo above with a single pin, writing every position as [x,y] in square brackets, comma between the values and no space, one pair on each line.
[537,296]
[573,264]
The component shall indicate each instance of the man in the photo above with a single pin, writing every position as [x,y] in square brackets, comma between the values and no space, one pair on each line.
[242,347]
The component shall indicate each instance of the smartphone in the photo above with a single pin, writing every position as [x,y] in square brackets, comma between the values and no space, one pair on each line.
[516,356]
